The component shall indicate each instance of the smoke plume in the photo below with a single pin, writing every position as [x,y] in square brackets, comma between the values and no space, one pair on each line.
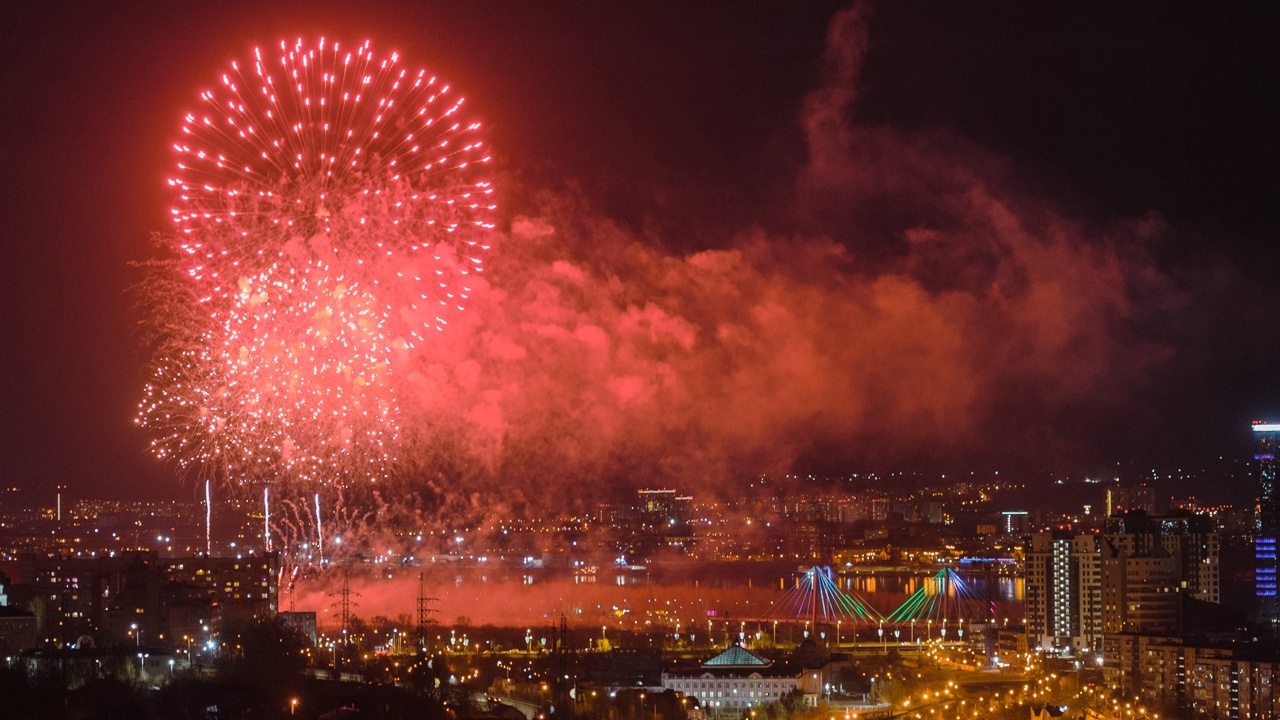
[923,302]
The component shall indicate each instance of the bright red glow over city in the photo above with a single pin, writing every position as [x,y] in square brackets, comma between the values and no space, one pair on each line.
[819,360]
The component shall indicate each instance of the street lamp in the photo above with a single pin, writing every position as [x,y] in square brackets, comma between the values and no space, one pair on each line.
[137,634]
[293,706]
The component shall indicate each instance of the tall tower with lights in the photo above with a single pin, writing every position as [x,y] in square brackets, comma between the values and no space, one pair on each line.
[1266,438]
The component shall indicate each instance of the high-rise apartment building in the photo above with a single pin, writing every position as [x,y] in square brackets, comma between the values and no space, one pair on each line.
[1127,499]
[662,508]
[1063,592]
[141,599]
[1140,586]
[1214,681]
[1131,579]
[1266,521]
[1190,539]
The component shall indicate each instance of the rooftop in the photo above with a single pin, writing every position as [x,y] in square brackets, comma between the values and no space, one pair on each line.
[735,657]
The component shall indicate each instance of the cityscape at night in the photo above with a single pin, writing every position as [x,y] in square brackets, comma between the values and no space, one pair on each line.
[475,361]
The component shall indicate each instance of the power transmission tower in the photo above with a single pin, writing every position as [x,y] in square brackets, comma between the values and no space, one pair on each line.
[564,704]
[424,612]
[344,605]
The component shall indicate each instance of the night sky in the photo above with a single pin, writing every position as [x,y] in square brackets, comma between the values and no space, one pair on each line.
[1149,128]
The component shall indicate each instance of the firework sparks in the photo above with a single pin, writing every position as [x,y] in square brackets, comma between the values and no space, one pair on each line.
[331,209]
[328,141]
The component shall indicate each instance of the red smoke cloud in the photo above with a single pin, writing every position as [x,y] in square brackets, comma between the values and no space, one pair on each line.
[927,304]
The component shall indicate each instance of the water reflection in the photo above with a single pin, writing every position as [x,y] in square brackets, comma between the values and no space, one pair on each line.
[680,594]
[764,577]
[997,587]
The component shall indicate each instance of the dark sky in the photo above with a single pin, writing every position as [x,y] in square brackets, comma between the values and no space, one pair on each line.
[1114,110]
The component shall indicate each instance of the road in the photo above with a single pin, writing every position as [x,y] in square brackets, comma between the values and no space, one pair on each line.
[529,709]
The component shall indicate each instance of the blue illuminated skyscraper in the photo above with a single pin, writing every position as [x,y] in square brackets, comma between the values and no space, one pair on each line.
[1266,521]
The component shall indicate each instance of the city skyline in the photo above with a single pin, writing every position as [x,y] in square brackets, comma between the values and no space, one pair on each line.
[798,597]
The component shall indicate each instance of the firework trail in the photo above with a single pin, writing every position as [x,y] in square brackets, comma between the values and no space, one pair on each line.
[331,210]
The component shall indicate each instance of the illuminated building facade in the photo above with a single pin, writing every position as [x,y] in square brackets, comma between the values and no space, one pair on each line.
[17,630]
[249,580]
[141,599]
[662,508]
[113,599]
[1227,681]
[1139,588]
[1063,592]
[1266,522]
[1190,539]
[1122,500]
[1130,579]
[734,681]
